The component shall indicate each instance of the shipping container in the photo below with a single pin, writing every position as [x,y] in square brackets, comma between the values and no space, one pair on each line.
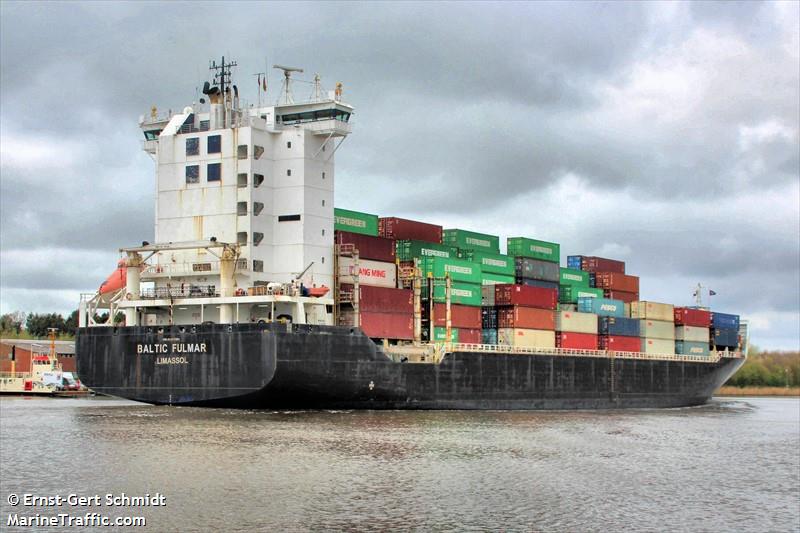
[691,348]
[526,338]
[470,336]
[537,283]
[616,326]
[626,297]
[619,343]
[525,295]
[616,281]
[355,222]
[687,316]
[383,299]
[461,316]
[653,311]
[524,247]
[409,250]
[491,263]
[490,278]
[659,346]
[692,333]
[574,262]
[440,335]
[404,229]
[568,307]
[470,240]
[374,273]
[593,280]
[576,341]
[601,264]
[576,322]
[489,317]
[374,248]
[571,293]
[382,325]
[487,295]
[526,318]
[460,293]
[525,267]
[570,276]
[489,336]
[725,338]
[456,269]
[657,329]
[601,306]
[724,320]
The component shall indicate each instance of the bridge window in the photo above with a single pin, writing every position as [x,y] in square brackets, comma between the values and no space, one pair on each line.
[214,172]
[152,135]
[214,144]
[192,173]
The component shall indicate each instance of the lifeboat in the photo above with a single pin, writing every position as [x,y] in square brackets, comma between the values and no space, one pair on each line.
[318,292]
[116,280]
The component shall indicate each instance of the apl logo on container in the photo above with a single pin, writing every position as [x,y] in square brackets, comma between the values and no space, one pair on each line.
[608,307]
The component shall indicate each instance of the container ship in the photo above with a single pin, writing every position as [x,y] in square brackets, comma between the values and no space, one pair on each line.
[257,293]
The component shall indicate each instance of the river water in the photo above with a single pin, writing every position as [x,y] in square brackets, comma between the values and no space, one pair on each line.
[732,465]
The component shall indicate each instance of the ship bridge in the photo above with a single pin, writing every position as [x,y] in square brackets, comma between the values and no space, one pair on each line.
[328,117]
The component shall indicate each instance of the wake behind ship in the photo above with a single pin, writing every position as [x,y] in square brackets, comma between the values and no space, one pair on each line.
[258,293]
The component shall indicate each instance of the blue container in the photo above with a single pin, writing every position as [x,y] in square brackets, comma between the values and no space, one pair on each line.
[489,336]
[691,348]
[724,321]
[614,325]
[602,306]
[574,261]
[537,283]
[725,337]
[592,279]
[488,317]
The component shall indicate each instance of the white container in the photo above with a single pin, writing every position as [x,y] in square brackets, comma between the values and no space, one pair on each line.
[653,311]
[372,273]
[691,333]
[573,322]
[487,295]
[660,346]
[657,329]
[527,338]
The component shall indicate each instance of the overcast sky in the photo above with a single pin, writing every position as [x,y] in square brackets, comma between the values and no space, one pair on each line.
[662,134]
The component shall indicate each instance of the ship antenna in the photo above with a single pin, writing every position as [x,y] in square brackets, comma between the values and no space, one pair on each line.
[287,82]
[222,78]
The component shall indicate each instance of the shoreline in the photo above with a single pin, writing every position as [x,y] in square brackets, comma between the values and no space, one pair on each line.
[759,391]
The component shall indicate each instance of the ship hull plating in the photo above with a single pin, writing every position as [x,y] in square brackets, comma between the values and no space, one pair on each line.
[276,366]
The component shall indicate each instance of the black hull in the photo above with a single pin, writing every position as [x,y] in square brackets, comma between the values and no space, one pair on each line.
[316,367]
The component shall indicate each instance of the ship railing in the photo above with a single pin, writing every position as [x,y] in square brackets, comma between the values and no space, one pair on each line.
[177,269]
[183,291]
[575,352]
[14,375]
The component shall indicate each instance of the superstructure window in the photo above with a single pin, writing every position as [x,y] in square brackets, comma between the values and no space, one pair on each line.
[152,135]
[257,151]
[323,203]
[288,171]
[204,125]
[258,265]
[258,179]
[257,208]
[192,173]
[241,179]
[289,144]
[323,175]
[241,208]
[214,144]
[257,238]
[288,218]
[192,146]
[241,151]
[241,237]
[214,172]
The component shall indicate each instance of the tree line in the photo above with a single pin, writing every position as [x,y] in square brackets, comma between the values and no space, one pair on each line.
[37,325]
[768,369]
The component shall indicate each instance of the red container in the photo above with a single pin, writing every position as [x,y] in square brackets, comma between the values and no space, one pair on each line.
[578,341]
[526,296]
[470,335]
[461,316]
[616,281]
[383,299]
[601,264]
[383,325]
[369,247]
[402,229]
[526,318]
[692,317]
[626,297]
[619,343]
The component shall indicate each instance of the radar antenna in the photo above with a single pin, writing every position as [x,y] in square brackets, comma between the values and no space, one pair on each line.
[287,82]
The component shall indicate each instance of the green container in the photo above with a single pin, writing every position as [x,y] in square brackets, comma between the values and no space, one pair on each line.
[355,222]
[457,269]
[410,250]
[460,293]
[576,278]
[440,334]
[569,294]
[494,263]
[524,247]
[470,240]
[490,278]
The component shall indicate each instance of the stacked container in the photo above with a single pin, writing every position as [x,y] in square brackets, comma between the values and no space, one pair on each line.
[465,298]
[725,331]
[403,229]
[496,268]
[692,331]
[536,262]
[472,241]
[656,326]
[384,313]
[355,222]
[574,284]
[526,315]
